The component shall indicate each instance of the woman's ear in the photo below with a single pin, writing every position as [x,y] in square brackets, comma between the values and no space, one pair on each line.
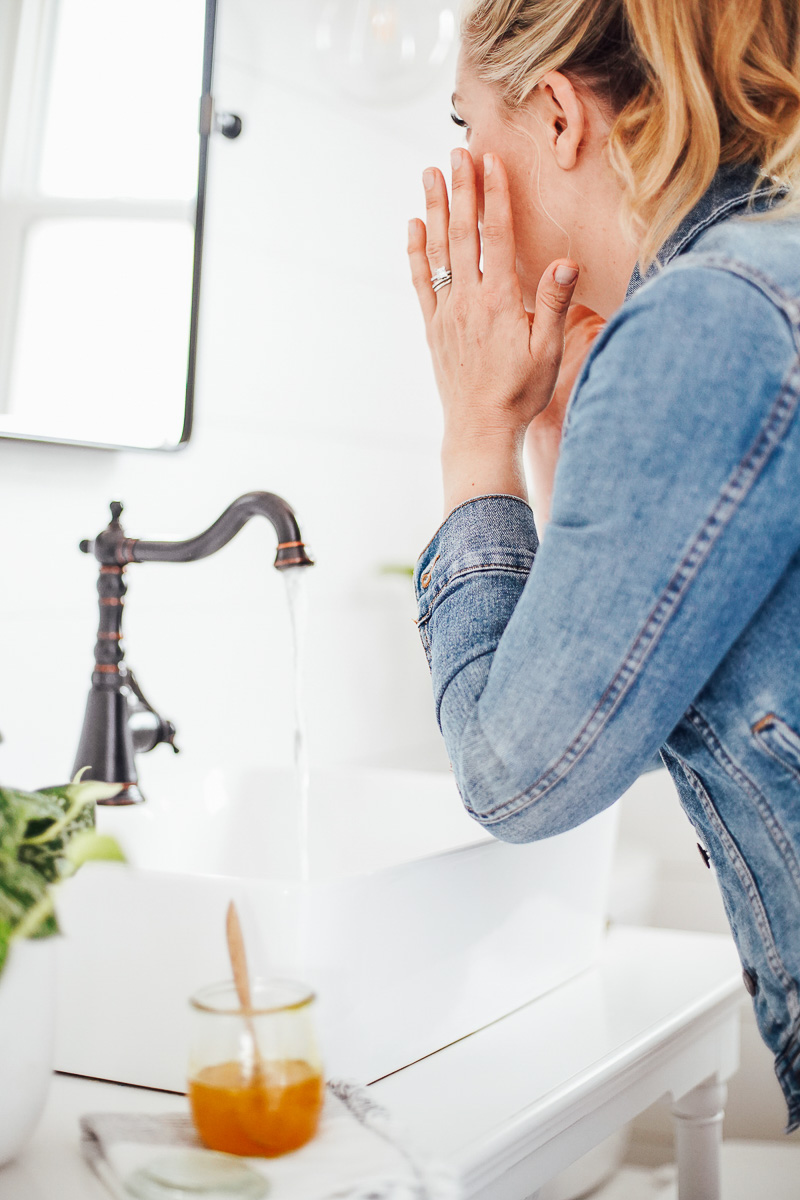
[561,109]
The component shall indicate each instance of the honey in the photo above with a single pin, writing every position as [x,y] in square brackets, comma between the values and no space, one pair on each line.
[269,1113]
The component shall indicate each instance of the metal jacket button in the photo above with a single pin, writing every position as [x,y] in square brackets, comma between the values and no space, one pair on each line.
[750,981]
[425,577]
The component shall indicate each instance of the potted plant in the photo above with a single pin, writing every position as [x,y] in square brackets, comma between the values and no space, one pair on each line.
[45,836]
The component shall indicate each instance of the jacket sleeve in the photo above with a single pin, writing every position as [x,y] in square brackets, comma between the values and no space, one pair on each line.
[558,671]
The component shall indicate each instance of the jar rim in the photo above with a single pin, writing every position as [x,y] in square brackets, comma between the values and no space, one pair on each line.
[300,995]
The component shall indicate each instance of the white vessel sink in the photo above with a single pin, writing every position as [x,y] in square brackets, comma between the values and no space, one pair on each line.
[415,927]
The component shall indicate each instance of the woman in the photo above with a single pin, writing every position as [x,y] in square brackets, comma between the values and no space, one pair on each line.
[638,160]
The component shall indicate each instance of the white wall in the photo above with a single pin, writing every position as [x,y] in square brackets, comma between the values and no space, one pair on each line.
[314,382]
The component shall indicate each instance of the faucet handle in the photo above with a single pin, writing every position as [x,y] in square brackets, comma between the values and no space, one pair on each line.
[148,728]
[169,733]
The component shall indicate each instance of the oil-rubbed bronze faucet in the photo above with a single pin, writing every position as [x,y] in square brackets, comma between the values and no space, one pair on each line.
[119,722]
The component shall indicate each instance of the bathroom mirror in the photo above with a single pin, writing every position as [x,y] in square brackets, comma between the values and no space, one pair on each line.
[102,184]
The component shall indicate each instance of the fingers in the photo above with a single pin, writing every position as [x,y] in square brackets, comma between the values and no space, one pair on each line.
[553,297]
[437,219]
[465,246]
[420,268]
[450,238]
[499,250]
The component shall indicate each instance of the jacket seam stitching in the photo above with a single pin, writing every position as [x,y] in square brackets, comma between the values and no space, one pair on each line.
[776,757]
[475,658]
[712,219]
[747,881]
[463,504]
[766,748]
[739,776]
[727,504]
[787,1057]
[769,288]
[475,569]
[691,235]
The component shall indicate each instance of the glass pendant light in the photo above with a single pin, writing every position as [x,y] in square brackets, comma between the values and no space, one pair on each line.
[384,50]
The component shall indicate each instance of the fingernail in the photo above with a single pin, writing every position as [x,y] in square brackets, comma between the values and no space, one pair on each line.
[488,163]
[566,274]
[411,228]
[428,179]
[455,159]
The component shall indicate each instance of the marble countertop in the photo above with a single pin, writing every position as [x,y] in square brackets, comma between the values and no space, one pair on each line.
[490,1100]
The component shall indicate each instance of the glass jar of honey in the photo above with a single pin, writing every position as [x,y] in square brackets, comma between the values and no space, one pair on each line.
[255,1076]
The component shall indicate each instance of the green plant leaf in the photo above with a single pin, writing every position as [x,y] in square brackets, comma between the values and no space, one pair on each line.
[45,836]
[76,801]
[38,921]
[21,886]
[89,846]
[48,926]
[56,818]
[396,569]
[93,791]
[18,810]
[5,941]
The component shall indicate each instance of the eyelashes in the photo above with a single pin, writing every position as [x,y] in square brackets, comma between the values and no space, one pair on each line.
[456,119]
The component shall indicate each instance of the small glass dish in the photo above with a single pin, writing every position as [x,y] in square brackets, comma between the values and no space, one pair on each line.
[255,1078]
[196,1175]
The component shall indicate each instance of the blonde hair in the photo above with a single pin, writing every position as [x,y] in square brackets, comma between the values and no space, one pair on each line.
[691,85]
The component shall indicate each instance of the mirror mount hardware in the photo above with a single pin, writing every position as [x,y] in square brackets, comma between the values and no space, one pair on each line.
[228,124]
[120,722]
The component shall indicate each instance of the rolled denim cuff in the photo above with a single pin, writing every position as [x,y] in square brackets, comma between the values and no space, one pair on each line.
[487,533]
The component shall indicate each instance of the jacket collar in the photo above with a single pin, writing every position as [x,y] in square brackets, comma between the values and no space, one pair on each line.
[729,192]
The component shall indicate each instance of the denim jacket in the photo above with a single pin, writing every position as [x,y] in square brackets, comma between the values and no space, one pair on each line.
[662,610]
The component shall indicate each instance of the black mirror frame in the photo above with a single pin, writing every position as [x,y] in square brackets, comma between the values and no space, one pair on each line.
[206,127]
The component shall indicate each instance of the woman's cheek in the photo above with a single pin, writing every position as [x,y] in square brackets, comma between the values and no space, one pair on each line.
[530,268]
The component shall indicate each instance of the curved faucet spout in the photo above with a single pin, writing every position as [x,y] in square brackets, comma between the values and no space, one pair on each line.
[114,549]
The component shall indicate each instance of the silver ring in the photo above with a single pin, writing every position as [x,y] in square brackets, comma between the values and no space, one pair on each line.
[441,278]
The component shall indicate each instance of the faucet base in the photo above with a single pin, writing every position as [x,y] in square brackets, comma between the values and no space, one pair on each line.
[130,794]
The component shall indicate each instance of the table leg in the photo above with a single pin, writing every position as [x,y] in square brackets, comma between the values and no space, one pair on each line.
[698,1136]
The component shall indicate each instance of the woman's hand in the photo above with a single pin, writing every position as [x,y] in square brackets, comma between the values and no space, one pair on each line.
[543,439]
[581,327]
[496,365]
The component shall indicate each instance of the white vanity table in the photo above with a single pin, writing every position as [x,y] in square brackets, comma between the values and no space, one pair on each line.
[515,1103]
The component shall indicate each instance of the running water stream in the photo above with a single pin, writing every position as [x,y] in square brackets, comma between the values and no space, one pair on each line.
[297,596]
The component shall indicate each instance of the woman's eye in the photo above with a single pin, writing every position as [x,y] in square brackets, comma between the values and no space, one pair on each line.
[458,121]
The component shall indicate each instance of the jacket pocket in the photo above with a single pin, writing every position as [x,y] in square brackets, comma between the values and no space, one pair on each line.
[780,741]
